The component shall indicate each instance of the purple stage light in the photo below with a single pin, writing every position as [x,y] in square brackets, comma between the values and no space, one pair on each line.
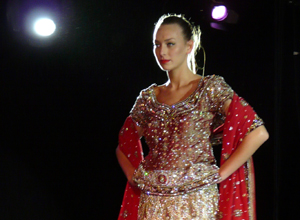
[219,13]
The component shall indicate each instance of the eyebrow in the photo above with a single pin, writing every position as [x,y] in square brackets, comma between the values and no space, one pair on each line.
[166,39]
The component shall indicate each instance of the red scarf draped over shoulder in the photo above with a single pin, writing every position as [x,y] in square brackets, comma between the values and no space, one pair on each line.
[237,192]
[237,199]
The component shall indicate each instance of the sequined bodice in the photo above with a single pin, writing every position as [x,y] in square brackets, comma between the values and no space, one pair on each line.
[178,136]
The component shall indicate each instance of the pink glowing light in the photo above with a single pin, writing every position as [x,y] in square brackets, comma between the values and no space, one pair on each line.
[219,13]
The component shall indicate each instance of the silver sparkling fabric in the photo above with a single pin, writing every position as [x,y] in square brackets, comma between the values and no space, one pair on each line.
[178,175]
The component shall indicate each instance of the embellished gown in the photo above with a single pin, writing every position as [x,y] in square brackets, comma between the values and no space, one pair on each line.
[178,177]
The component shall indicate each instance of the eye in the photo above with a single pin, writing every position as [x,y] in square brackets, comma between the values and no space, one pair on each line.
[170,44]
[156,45]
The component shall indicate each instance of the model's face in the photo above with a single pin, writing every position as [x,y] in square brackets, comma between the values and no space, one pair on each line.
[170,47]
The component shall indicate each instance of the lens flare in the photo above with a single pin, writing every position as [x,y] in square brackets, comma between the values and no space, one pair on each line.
[44,27]
[219,12]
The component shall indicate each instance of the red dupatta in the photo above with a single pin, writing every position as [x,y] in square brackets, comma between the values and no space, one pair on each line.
[237,199]
[237,192]
[130,145]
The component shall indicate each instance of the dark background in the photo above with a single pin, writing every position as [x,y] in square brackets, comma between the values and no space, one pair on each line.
[62,104]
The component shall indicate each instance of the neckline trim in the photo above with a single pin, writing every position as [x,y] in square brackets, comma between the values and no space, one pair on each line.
[179,102]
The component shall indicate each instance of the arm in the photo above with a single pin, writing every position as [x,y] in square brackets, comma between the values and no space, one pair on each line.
[124,162]
[126,166]
[245,150]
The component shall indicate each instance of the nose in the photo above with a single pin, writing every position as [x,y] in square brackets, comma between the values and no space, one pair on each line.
[160,51]
[163,50]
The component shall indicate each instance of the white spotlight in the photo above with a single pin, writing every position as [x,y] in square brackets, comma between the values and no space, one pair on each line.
[44,27]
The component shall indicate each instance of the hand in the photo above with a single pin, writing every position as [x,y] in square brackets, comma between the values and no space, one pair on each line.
[222,178]
[223,174]
[131,181]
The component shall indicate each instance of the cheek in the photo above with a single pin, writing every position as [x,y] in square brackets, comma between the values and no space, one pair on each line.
[176,52]
[156,52]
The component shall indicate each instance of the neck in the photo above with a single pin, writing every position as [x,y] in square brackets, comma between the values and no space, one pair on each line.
[179,78]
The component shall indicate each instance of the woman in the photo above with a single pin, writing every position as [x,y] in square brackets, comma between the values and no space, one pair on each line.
[178,178]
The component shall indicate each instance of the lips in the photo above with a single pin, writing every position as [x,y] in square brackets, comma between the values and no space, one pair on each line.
[164,61]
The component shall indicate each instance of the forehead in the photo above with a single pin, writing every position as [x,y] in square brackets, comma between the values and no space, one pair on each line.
[167,31]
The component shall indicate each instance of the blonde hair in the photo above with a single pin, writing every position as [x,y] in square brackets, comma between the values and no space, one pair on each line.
[190,32]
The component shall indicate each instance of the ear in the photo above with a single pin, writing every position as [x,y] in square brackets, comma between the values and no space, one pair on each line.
[189,45]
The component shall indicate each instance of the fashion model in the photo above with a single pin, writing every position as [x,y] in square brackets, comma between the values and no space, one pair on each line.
[181,120]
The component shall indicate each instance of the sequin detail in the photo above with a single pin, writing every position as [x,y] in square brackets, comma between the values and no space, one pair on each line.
[176,182]
[256,123]
[238,213]
[178,136]
[180,160]
[199,205]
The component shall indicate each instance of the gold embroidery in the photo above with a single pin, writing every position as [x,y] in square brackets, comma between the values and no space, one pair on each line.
[256,123]
[179,141]
[125,214]
[226,156]
[219,215]
[122,132]
[243,102]
[251,190]
[175,182]
[162,178]
[201,204]
[238,213]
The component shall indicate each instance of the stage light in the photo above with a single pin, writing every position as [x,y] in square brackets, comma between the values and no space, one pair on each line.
[219,12]
[44,27]
[40,27]
[38,23]
[221,15]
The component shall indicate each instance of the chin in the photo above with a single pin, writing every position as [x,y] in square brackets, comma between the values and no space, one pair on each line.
[162,68]
[165,69]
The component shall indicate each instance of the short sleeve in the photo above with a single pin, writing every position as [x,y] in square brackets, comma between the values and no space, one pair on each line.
[218,92]
[257,122]
[140,109]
